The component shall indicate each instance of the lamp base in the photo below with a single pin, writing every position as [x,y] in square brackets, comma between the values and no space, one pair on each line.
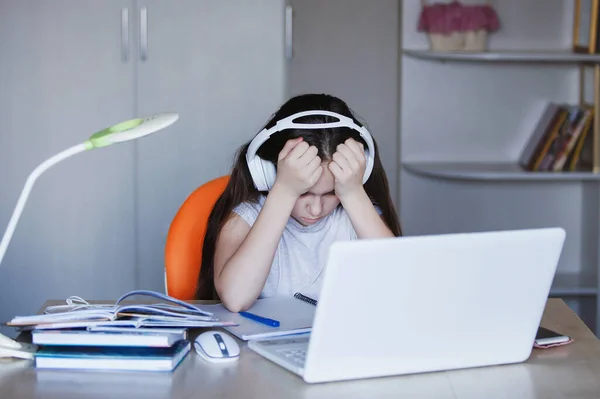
[9,348]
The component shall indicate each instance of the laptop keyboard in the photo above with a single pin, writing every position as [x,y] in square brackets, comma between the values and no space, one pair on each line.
[293,349]
[296,356]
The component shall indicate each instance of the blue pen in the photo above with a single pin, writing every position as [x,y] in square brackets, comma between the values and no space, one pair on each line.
[263,320]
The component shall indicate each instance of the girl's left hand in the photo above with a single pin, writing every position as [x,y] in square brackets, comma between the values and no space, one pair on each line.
[348,167]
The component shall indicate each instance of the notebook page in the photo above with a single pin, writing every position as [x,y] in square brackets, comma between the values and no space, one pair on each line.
[293,315]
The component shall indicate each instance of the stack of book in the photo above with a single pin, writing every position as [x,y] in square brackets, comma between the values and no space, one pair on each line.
[130,349]
[562,140]
[78,313]
[119,336]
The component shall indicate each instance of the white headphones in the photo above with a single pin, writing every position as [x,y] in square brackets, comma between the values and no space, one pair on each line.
[263,172]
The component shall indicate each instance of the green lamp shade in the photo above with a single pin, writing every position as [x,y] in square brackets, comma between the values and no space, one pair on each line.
[130,130]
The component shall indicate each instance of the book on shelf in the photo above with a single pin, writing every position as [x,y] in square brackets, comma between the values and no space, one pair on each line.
[562,140]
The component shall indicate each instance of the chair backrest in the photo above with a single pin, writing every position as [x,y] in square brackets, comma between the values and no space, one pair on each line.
[183,250]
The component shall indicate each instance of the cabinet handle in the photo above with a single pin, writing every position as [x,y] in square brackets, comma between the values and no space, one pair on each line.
[125,34]
[288,32]
[144,33]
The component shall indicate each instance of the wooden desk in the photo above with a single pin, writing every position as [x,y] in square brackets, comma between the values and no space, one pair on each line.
[571,371]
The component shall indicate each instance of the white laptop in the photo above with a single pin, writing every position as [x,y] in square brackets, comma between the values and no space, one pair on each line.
[421,304]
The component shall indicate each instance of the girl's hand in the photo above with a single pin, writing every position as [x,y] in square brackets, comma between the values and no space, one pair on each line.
[298,167]
[348,168]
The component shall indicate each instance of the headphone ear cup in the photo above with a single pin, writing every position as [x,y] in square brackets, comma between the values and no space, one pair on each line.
[255,169]
[369,165]
[263,174]
[269,174]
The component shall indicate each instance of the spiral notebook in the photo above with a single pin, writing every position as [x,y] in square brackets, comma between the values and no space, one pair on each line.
[295,315]
[304,298]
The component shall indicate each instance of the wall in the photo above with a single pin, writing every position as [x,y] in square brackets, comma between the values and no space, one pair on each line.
[349,48]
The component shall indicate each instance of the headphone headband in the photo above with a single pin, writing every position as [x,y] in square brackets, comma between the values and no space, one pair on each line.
[263,172]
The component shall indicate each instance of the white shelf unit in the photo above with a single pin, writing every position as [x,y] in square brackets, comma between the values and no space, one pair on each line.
[565,284]
[492,171]
[558,56]
[582,284]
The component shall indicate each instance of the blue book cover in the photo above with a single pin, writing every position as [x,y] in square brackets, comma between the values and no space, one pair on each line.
[112,358]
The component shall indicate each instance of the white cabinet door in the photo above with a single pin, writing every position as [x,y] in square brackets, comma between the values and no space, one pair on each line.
[221,65]
[63,76]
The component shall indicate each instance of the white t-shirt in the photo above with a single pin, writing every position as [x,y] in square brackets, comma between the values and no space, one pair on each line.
[302,251]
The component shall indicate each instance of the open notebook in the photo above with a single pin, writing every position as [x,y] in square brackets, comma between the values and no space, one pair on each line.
[294,315]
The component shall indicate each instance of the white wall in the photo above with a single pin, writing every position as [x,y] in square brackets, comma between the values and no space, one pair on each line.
[349,48]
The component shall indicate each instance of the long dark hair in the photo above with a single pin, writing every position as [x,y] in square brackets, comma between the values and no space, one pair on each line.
[241,188]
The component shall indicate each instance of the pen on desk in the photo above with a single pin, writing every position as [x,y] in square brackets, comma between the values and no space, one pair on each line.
[260,319]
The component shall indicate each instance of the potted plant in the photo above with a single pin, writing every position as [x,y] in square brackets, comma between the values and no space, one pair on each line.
[458,27]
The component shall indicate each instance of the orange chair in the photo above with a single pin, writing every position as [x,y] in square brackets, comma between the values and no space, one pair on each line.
[183,250]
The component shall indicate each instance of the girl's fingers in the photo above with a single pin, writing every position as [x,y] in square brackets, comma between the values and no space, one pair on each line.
[357,148]
[350,156]
[316,175]
[342,159]
[335,170]
[288,147]
[314,164]
[309,155]
[299,150]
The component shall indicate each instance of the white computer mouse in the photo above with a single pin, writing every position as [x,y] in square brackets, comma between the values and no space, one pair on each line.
[217,347]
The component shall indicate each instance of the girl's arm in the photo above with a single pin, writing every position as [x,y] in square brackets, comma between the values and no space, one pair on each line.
[364,217]
[244,254]
[348,167]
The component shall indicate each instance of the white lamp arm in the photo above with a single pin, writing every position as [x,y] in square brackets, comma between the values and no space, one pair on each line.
[128,130]
[124,131]
[12,224]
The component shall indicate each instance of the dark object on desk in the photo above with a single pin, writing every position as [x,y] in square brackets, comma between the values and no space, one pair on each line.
[546,338]
[304,298]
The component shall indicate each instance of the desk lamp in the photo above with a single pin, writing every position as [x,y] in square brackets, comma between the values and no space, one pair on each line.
[124,131]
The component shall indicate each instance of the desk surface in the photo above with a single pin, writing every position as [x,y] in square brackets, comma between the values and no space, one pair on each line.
[570,371]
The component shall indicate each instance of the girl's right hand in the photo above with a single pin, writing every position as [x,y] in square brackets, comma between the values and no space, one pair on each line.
[298,167]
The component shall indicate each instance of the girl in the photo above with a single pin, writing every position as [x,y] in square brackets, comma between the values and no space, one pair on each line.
[274,241]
